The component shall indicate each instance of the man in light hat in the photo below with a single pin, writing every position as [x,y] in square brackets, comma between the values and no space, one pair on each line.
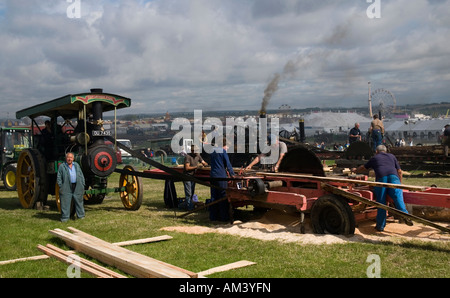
[192,161]
[376,130]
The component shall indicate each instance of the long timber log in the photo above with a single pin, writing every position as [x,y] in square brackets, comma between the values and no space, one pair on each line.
[343,180]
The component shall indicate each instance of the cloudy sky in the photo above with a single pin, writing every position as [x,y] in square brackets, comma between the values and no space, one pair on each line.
[181,55]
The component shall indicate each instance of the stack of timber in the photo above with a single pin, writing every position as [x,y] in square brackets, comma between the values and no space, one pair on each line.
[417,151]
[431,158]
[128,261]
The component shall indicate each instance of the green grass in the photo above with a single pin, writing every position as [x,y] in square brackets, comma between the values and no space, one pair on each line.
[23,229]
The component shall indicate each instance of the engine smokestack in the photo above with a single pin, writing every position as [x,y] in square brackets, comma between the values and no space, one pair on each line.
[301,124]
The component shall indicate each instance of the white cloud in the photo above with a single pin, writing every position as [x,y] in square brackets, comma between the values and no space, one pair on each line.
[179,54]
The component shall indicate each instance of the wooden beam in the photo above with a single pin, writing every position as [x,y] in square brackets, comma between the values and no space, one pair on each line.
[33,258]
[344,180]
[227,267]
[144,240]
[128,261]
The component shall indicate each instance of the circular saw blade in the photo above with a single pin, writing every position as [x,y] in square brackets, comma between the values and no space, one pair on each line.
[300,159]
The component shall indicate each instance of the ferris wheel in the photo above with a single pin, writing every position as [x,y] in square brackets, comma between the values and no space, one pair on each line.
[384,100]
[284,107]
[285,110]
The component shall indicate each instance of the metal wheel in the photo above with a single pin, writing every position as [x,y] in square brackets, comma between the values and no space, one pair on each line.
[132,196]
[9,178]
[257,187]
[31,178]
[93,199]
[332,214]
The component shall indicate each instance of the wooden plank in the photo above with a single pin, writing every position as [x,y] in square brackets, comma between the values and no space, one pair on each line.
[227,267]
[33,258]
[144,240]
[128,261]
[108,272]
[66,260]
[355,197]
[344,180]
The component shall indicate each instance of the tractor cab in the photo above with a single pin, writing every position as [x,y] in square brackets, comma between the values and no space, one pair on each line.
[12,141]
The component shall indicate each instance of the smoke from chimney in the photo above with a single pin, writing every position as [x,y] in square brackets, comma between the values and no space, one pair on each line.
[269,91]
[289,69]
[303,61]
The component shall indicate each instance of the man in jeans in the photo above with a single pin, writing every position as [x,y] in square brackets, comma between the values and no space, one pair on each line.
[376,129]
[387,170]
[192,162]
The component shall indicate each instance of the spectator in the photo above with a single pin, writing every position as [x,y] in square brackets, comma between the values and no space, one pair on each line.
[192,162]
[71,183]
[377,131]
[355,134]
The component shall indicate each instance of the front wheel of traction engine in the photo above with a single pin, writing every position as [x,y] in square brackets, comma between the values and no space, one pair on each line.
[132,195]
[332,214]
[31,179]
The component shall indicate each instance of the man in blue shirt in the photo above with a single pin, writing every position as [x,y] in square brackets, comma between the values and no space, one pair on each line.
[71,183]
[354,134]
[220,168]
[387,170]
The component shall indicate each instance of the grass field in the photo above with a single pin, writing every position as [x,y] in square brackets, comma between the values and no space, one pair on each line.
[23,229]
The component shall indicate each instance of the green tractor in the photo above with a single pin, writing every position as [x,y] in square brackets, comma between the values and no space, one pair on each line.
[13,140]
[73,123]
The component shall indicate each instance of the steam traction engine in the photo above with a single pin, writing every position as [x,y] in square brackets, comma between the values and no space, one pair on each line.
[75,125]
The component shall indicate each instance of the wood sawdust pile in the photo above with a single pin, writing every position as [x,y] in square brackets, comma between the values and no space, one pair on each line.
[285,227]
